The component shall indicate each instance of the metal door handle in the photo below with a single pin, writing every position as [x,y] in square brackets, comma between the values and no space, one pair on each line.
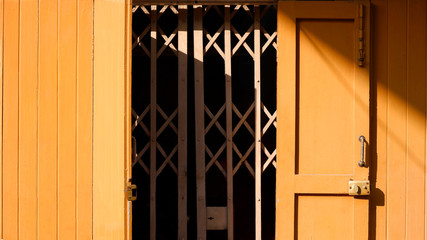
[362,162]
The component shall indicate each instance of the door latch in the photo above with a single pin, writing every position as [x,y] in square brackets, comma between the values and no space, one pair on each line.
[131,192]
[359,188]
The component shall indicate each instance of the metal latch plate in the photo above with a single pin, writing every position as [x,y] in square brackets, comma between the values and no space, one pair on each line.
[359,188]
[131,192]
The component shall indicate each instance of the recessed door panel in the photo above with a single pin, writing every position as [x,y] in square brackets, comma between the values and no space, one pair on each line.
[312,212]
[326,94]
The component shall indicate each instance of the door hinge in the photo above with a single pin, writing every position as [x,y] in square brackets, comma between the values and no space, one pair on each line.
[361,59]
[131,192]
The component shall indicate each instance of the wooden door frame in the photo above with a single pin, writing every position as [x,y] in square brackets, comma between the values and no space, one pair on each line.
[111,119]
[112,62]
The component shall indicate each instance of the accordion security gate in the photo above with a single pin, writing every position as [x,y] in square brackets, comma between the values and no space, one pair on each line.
[204,121]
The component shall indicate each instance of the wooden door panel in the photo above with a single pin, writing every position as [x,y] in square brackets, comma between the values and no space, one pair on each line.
[313,210]
[323,108]
[325,92]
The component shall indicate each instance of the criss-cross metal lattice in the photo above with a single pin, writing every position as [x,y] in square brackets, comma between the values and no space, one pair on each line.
[244,41]
[138,122]
[214,156]
[244,157]
[142,39]
[271,124]
[270,37]
[138,39]
[156,36]
[168,122]
[269,32]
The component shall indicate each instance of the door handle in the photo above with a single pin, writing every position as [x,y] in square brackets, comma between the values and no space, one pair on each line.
[362,162]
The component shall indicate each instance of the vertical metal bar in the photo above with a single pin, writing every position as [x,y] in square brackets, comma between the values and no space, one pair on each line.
[257,86]
[229,120]
[182,122]
[199,122]
[153,127]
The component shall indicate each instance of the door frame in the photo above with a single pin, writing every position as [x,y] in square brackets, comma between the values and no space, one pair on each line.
[111,119]
[112,212]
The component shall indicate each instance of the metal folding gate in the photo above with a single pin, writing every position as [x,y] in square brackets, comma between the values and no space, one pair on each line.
[204,120]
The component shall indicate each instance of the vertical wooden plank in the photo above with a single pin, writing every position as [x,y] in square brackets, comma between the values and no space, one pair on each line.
[10,119]
[286,71]
[362,112]
[199,122]
[182,122]
[416,135]
[229,120]
[397,120]
[28,83]
[108,120]
[153,127]
[67,56]
[48,120]
[257,84]
[84,120]
[378,213]
[128,115]
[1,116]
[425,154]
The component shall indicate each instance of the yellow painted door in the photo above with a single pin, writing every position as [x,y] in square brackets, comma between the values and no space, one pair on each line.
[323,109]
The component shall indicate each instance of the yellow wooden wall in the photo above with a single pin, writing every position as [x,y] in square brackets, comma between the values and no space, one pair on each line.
[49,68]
[46,119]
[65,117]
[398,206]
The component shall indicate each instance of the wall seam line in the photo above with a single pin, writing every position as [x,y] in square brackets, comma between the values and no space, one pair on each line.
[19,108]
[425,120]
[407,117]
[92,110]
[76,126]
[387,122]
[2,113]
[57,116]
[37,128]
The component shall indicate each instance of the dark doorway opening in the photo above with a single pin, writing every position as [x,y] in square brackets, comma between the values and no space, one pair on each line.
[162,67]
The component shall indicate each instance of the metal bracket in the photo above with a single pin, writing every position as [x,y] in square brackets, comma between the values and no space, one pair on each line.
[131,192]
[359,188]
